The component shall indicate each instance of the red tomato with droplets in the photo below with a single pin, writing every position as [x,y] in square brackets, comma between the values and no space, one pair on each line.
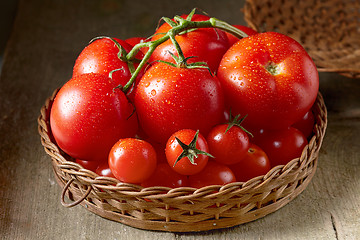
[232,39]
[101,56]
[132,160]
[270,78]
[164,176]
[255,163]
[228,146]
[89,115]
[205,44]
[168,99]
[281,146]
[214,173]
[173,150]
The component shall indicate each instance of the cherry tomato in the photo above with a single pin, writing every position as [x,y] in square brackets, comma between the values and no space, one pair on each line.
[174,149]
[168,99]
[306,124]
[101,56]
[232,39]
[104,170]
[255,163]
[228,146]
[88,116]
[214,173]
[281,146]
[132,160]
[90,165]
[166,177]
[269,77]
[206,44]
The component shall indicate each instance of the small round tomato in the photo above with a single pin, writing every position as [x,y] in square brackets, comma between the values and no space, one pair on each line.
[270,78]
[168,99]
[166,177]
[306,124]
[228,146]
[214,173]
[255,163]
[232,39]
[204,44]
[186,152]
[90,165]
[89,115]
[281,146]
[132,160]
[104,170]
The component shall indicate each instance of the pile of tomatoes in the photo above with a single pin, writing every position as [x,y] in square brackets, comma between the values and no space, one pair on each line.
[220,110]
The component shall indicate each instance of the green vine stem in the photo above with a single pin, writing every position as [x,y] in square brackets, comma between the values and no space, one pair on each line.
[182,25]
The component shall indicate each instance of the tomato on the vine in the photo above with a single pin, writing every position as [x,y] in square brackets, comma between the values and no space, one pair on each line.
[166,177]
[168,99]
[232,39]
[281,146]
[89,115]
[228,145]
[255,163]
[189,159]
[132,160]
[270,77]
[204,44]
[214,173]
[102,56]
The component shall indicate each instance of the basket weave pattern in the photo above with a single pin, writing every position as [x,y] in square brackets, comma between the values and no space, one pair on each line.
[328,29]
[183,209]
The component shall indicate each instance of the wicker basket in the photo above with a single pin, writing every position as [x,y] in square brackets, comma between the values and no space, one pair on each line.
[328,29]
[183,209]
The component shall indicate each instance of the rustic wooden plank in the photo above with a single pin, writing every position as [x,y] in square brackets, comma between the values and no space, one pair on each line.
[46,38]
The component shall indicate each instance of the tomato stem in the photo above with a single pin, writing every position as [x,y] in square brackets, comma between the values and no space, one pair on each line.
[178,26]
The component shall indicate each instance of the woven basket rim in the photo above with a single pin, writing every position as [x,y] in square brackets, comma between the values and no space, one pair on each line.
[100,194]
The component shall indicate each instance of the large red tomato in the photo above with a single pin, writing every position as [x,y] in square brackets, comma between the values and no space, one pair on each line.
[102,56]
[206,44]
[270,77]
[88,116]
[169,98]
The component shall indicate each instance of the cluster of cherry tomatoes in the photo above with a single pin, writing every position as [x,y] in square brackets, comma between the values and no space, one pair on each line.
[221,110]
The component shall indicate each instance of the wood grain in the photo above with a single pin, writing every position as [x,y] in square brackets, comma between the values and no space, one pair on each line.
[46,38]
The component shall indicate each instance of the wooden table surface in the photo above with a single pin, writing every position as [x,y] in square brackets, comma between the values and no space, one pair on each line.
[44,43]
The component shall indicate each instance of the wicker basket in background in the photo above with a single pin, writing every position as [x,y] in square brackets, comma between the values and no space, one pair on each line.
[183,209]
[328,29]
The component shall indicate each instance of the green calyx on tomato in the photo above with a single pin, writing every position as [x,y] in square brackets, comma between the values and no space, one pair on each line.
[273,68]
[237,122]
[190,151]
